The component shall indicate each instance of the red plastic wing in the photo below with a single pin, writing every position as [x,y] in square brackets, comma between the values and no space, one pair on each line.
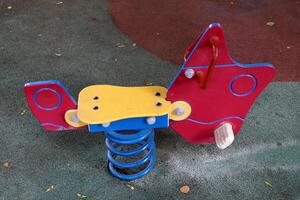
[48,101]
[226,96]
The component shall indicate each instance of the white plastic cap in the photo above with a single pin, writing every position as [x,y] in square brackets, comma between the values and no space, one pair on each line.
[106,125]
[189,73]
[74,118]
[224,136]
[151,120]
[179,111]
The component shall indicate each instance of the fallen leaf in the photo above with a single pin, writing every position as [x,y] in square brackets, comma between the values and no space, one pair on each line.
[270,24]
[23,112]
[119,45]
[59,2]
[268,184]
[49,189]
[82,196]
[9,7]
[58,54]
[93,18]
[5,164]
[130,186]
[185,189]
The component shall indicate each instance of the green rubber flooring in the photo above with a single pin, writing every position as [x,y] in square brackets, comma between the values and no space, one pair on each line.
[263,162]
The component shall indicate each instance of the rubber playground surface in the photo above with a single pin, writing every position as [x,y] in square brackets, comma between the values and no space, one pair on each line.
[139,42]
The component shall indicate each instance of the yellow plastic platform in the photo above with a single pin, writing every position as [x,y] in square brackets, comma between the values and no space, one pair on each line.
[99,104]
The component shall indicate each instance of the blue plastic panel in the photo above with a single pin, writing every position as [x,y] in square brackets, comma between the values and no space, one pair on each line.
[131,124]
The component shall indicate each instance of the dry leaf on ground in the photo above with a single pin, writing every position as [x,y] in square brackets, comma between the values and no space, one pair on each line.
[130,186]
[270,24]
[82,196]
[267,183]
[119,45]
[185,189]
[49,189]
[5,164]
[23,112]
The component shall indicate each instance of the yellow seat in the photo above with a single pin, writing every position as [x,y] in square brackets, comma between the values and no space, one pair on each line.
[99,104]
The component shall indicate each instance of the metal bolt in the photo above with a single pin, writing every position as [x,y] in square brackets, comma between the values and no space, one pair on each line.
[189,73]
[150,120]
[75,119]
[179,111]
[106,125]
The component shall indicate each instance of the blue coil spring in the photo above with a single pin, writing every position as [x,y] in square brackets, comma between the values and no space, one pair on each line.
[140,143]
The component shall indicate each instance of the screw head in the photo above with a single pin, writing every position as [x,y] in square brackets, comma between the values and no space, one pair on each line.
[150,120]
[189,73]
[179,111]
[106,125]
[75,119]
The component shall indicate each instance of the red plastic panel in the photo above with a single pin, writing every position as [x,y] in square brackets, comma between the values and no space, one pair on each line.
[231,89]
[48,101]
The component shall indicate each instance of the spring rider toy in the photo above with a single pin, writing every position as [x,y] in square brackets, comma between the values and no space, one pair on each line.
[207,101]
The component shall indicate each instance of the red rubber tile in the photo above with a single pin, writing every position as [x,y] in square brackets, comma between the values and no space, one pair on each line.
[166,28]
